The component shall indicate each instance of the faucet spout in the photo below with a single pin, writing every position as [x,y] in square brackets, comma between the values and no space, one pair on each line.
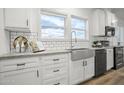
[72,38]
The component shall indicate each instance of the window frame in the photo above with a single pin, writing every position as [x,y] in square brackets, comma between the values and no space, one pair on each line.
[87,27]
[49,13]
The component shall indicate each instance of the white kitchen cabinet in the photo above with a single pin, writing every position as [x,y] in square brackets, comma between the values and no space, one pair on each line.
[1,18]
[110,59]
[98,22]
[111,19]
[20,77]
[19,71]
[54,69]
[17,17]
[77,72]
[89,68]
[82,70]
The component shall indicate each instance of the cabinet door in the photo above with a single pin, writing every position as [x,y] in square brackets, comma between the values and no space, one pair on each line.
[77,72]
[109,59]
[108,18]
[96,22]
[114,20]
[17,17]
[89,70]
[26,76]
[1,18]
[101,23]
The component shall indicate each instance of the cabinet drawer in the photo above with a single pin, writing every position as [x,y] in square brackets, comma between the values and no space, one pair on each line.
[54,59]
[54,70]
[19,63]
[63,80]
[25,76]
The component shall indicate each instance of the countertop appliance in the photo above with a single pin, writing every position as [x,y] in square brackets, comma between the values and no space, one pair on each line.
[101,43]
[118,57]
[100,62]
[109,31]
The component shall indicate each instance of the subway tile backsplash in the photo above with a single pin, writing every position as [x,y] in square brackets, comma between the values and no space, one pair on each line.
[48,44]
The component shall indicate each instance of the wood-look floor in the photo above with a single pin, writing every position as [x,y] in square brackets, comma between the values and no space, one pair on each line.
[112,77]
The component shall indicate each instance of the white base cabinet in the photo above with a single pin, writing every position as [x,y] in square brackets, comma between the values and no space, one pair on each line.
[81,70]
[76,72]
[44,70]
[19,71]
[89,68]
[54,69]
[20,77]
[110,59]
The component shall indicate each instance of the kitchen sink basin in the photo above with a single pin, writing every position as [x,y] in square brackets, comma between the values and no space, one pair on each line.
[81,53]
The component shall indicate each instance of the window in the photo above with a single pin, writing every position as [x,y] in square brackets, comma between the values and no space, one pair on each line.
[80,27]
[52,26]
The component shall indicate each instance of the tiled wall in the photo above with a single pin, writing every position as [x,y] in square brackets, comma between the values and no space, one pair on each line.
[48,44]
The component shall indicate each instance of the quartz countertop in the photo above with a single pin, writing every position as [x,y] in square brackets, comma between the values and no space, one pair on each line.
[96,48]
[47,52]
[15,55]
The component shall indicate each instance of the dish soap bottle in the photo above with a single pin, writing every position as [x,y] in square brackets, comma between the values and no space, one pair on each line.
[17,48]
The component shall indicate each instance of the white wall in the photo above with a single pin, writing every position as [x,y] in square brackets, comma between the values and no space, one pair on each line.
[79,12]
[4,38]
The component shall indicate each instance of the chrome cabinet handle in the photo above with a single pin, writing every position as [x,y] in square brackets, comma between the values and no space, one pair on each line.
[57,84]
[83,63]
[56,59]
[86,63]
[23,64]
[37,73]
[27,22]
[56,70]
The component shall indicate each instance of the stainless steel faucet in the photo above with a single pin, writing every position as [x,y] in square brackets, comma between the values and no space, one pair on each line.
[72,38]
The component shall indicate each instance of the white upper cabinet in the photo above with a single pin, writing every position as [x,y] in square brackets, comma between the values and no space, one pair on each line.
[111,19]
[102,22]
[22,19]
[99,22]
[17,17]
[1,18]
[108,18]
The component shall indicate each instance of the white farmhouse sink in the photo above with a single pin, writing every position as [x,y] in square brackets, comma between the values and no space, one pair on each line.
[81,53]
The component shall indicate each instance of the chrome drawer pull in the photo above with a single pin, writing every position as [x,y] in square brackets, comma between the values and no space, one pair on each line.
[57,84]
[56,70]
[23,64]
[56,59]
[37,73]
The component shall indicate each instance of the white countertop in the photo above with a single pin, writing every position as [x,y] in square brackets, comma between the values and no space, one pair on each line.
[47,52]
[11,55]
